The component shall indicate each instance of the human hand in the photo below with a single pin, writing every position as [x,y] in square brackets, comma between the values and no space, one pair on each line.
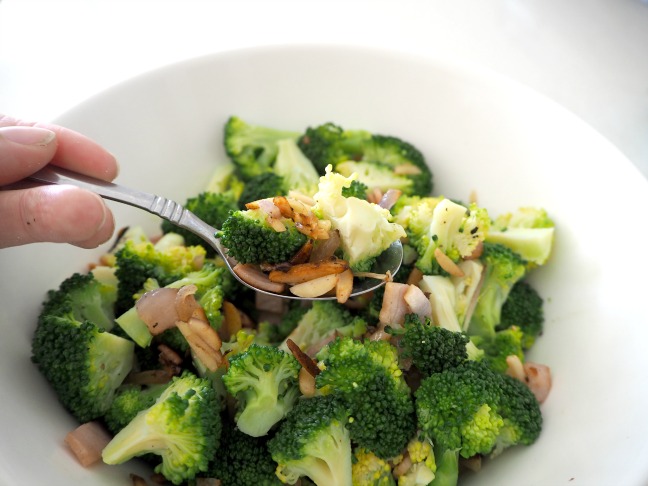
[59,214]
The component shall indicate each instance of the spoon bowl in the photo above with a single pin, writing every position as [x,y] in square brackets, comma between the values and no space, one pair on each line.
[389,261]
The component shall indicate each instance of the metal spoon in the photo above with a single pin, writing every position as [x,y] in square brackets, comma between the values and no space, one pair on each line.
[390,260]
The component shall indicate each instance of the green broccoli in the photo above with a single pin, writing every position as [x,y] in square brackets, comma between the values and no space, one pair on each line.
[130,400]
[355,189]
[385,162]
[85,298]
[84,364]
[276,333]
[432,348]
[330,144]
[503,269]
[181,427]
[253,149]
[496,410]
[322,320]
[370,470]
[264,186]
[264,381]
[523,308]
[313,441]
[138,261]
[365,229]
[366,376]
[244,461]
[250,238]
[296,170]
[504,343]
[454,229]
[213,208]
[422,470]
[529,231]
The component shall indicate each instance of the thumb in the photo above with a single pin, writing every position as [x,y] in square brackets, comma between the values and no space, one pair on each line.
[24,150]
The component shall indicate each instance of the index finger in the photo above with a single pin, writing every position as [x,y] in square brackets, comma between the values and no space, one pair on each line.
[75,151]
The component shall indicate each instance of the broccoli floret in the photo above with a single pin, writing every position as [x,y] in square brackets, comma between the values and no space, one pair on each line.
[263,186]
[528,231]
[264,381]
[365,229]
[504,343]
[322,320]
[244,461]
[85,298]
[249,238]
[376,175]
[523,308]
[276,333]
[356,189]
[136,262]
[296,170]
[366,376]
[181,427]
[403,164]
[432,348]
[503,269]
[130,400]
[422,470]
[253,149]
[313,441]
[330,144]
[213,208]
[495,411]
[454,229]
[84,364]
[370,470]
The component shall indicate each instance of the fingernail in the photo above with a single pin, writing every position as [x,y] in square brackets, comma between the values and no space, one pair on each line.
[28,135]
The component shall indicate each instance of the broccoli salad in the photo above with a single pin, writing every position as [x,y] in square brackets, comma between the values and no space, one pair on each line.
[163,356]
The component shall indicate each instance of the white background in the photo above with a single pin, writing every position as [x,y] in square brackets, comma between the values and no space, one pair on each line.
[589,55]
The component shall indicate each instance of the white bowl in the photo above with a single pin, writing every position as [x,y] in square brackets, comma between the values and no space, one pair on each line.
[479,132]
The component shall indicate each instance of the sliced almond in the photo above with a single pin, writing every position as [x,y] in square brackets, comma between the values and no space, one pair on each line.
[304,253]
[306,383]
[308,271]
[87,441]
[316,287]
[414,277]
[232,322]
[306,361]
[344,286]
[252,275]
[394,308]
[407,169]
[447,264]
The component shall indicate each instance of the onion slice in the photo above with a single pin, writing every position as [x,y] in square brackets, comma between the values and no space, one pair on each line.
[157,308]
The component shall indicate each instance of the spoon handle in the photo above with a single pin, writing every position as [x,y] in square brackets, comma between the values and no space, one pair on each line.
[158,205]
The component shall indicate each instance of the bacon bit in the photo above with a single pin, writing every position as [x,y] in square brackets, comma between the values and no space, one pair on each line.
[344,286]
[137,480]
[407,169]
[252,275]
[306,361]
[447,264]
[232,322]
[374,195]
[149,377]
[87,441]
[538,377]
[306,383]
[316,287]
[308,271]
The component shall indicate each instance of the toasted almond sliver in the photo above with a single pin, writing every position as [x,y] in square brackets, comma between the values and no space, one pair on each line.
[447,264]
[344,286]
[316,287]
[200,326]
[232,322]
[308,271]
[378,276]
[306,383]
[209,357]
[306,361]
